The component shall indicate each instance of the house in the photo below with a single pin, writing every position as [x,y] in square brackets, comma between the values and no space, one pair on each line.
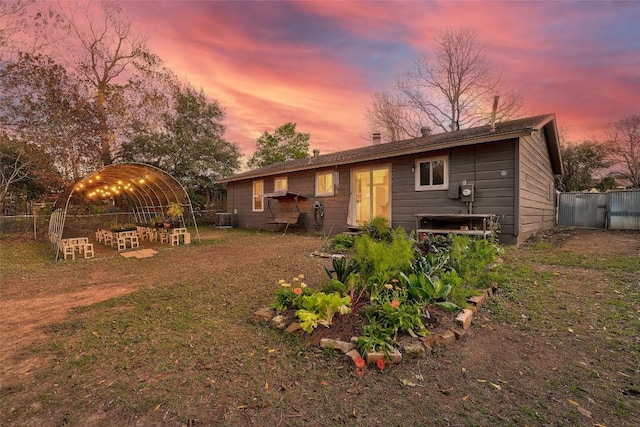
[506,170]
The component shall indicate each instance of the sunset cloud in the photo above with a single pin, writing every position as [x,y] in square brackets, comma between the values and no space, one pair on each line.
[317,63]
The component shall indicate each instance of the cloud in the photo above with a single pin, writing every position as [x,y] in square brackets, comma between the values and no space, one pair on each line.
[316,63]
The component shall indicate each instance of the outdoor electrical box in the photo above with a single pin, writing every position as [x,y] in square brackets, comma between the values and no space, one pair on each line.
[467,192]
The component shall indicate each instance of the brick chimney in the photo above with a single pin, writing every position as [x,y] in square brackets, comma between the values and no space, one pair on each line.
[425,131]
[376,138]
[316,153]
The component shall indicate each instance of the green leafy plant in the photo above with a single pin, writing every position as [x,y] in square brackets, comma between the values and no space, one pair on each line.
[382,258]
[378,228]
[397,316]
[289,294]
[334,285]
[175,211]
[342,242]
[424,288]
[375,338]
[319,309]
[341,269]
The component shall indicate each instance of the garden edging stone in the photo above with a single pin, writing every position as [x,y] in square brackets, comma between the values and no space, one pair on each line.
[412,347]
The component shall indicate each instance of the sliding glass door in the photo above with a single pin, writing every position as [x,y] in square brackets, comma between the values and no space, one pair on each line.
[371,194]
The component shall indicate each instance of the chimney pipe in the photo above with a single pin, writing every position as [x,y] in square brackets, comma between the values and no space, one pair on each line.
[494,112]
[376,138]
[425,131]
[316,153]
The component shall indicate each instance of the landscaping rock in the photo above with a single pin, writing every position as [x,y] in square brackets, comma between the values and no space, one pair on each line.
[413,349]
[431,340]
[394,356]
[343,346]
[464,318]
[264,315]
[459,332]
[353,354]
[295,326]
[448,338]
[478,300]
[279,322]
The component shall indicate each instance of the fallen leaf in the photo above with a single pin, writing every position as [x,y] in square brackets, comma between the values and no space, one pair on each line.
[584,412]
[573,402]
[272,350]
[482,381]
[407,383]
[157,407]
[496,386]
[465,397]
[266,385]
[324,383]
[95,334]
[570,330]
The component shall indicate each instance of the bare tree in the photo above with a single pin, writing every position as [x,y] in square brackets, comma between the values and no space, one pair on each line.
[14,168]
[453,88]
[624,141]
[109,51]
[390,116]
[25,28]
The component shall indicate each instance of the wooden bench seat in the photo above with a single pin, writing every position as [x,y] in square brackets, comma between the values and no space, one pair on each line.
[288,218]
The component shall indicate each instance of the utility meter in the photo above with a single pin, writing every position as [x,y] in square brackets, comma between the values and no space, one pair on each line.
[466,191]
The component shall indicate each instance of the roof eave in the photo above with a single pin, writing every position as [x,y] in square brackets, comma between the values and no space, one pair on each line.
[399,153]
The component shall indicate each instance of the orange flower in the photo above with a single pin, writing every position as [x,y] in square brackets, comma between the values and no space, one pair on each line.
[297,291]
[395,303]
[380,364]
[359,361]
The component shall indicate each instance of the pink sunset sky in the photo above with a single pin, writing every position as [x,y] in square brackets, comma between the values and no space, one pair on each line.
[316,63]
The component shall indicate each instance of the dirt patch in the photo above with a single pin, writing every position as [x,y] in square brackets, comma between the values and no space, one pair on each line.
[558,346]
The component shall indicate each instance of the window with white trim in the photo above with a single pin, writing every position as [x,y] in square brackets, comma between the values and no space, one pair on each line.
[280,183]
[258,200]
[432,173]
[324,183]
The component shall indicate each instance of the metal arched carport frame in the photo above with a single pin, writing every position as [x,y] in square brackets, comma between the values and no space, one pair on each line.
[150,190]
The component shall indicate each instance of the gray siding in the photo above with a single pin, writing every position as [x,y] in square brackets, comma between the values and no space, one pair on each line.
[490,167]
[536,186]
[240,195]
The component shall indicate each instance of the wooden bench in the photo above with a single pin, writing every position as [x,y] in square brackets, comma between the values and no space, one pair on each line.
[284,218]
[467,224]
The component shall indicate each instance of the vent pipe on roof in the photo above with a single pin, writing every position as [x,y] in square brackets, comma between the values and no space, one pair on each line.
[494,112]
[316,153]
[425,131]
[376,138]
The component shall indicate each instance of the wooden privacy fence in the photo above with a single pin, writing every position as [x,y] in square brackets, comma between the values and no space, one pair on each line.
[615,210]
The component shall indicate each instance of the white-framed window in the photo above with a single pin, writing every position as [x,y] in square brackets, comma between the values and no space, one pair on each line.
[258,200]
[324,183]
[280,183]
[432,173]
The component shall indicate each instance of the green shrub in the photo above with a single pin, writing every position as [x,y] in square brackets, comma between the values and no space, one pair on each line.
[342,242]
[335,285]
[384,259]
[378,228]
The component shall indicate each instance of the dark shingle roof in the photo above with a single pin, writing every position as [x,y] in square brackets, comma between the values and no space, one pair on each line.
[505,130]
